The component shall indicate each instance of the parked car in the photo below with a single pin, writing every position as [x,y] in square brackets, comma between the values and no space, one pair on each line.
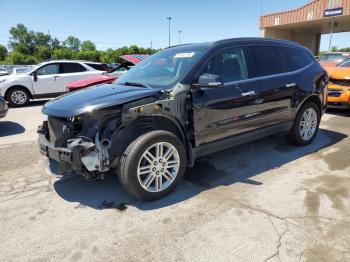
[3,107]
[333,58]
[339,85]
[20,70]
[108,78]
[3,71]
[48,79]
[183,103]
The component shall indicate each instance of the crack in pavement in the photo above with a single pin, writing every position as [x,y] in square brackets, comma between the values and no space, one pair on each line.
[279,243]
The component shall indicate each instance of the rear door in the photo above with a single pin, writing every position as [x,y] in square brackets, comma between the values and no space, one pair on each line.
[70,72]
[274,88]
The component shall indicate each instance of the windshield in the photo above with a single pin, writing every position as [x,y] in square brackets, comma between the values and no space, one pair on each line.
[164,68]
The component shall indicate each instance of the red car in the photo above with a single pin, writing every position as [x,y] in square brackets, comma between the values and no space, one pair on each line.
[108,78]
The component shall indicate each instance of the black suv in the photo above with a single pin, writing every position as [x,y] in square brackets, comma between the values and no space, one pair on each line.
[182,103]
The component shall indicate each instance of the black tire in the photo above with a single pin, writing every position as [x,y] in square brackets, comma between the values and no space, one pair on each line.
[10,97]
[294,136]
[129,162]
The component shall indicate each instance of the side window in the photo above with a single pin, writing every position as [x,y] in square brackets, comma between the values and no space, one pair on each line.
[295,58]
[71,68]
[229,63]
[51,69]
[267,60]
[99,67]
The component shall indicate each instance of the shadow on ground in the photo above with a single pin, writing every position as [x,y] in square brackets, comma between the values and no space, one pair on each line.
[237,165]
[8,128]
[338,112]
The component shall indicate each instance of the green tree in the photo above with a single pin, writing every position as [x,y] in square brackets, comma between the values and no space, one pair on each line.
[89,55]
[88,46]
[3,52]
[72,43]
[334,49]
[63,53]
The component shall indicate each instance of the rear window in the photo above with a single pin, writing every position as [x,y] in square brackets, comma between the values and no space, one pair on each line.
[99,67]
[267,61]
[71,68]
[295,58]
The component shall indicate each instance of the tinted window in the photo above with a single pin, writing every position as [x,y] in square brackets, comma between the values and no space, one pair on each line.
[267,60]
[295,58]
[230,64]
[71,68]
[100,67]
[51,69]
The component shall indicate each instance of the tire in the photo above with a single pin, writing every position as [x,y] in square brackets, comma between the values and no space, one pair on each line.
[296,135]
[17,97]
[140,177]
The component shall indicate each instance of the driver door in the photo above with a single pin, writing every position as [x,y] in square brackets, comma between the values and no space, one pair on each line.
[47,81]
[218,110]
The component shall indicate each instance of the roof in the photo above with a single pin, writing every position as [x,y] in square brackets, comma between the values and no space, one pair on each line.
[238,40]
[69,60]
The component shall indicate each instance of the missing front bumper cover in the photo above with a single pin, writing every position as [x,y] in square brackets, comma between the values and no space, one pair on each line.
[80,155]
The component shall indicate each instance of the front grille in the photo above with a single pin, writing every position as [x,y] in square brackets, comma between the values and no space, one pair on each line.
[340,82]
[334,92]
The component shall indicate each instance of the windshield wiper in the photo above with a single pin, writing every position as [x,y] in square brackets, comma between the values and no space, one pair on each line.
[135,84]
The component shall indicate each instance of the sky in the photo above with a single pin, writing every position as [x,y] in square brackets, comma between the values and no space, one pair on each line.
[114,23]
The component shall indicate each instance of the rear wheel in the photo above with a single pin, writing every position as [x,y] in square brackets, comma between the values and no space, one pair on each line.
[306,125]
[152,165]
[17,97]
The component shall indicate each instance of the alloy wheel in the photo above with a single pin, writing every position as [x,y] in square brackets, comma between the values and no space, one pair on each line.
[19,97]
[158,167]
[308,124]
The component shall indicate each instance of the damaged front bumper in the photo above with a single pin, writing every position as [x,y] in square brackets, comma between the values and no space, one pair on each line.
[81,155]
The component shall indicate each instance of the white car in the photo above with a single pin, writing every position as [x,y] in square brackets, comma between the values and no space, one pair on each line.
[46,80]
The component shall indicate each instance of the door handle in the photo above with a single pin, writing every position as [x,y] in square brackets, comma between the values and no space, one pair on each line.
[250,93]
[56,77]
[291,85]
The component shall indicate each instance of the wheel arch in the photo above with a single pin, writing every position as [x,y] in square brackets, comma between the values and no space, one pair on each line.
[143,124]
[17,86]
[311,98]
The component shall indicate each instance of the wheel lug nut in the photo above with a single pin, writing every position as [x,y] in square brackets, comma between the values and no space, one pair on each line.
[155,163]
[160,160]
[162,170]
[164,164]
[157,172]
[153,169]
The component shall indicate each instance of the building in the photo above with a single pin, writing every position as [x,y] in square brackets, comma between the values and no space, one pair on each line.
[306,24]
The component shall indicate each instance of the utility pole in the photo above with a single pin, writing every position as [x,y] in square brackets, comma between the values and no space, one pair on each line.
[169,19]
[179,31]
[151,44]
[330,38]
[48,32]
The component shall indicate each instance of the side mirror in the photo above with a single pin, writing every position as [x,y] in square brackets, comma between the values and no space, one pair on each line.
[35,76]
[209,80]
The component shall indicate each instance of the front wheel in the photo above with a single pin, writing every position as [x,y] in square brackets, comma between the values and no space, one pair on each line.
[152,165]
[18,96]
[306,125]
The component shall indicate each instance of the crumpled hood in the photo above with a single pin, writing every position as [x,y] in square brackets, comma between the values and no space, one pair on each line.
[89,99]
